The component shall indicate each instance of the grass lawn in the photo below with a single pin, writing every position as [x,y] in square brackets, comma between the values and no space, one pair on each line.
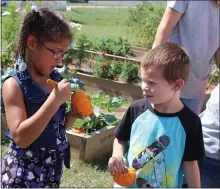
[87,175]
[101,22]
[83,175]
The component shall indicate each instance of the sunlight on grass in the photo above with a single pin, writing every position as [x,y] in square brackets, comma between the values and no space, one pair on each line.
[86,176]
[105,22]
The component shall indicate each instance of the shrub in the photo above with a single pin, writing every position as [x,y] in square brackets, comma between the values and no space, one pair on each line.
[103,69]
[10,32]
[214,75]
[144,20]
[111,45]
[78,54]
[130,72]
[116,68]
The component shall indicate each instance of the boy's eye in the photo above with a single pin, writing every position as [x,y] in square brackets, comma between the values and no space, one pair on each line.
[152,83]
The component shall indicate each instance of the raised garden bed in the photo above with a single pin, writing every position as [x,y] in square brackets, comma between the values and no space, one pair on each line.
[96,145]
[111,87]
[91,147]
[136,60]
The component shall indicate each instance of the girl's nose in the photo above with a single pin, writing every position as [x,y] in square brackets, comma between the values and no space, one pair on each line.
[59,61]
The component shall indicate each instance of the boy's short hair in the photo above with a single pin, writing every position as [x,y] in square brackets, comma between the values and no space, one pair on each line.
[171,58]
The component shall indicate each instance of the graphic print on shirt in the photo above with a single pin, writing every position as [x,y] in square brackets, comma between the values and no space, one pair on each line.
[150,152]
[151,163]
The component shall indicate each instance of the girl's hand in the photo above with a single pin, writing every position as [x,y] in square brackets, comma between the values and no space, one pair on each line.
[62,92]
[75,114]
[71,117]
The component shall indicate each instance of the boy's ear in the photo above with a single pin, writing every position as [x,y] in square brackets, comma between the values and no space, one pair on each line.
[31,42]
[179,84]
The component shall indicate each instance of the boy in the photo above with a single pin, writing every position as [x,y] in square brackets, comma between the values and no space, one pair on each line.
[165,137]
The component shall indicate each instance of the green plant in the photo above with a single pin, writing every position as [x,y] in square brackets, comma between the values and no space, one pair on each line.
[130,72]
[10,32]
[97,122]
[101,100]
[117,46]
[100,119]
[116,68]
[4,75]
[214,75]
[6,59]
[111,45]
[78,52]
[103,69]
[144,20]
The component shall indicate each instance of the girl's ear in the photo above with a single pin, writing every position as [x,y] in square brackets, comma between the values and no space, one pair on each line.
[31,42]
[179,84]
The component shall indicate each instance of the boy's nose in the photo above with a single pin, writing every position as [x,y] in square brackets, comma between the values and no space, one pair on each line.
[144,87]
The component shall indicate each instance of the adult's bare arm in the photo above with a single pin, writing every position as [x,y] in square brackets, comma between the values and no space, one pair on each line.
[165,28]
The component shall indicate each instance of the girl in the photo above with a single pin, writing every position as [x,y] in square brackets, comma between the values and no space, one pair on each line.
[35,112]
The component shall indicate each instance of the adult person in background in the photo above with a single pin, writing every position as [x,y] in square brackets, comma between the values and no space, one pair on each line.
[210,124]
[194,25]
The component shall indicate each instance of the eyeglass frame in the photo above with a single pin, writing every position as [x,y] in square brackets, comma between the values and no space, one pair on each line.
[56,55]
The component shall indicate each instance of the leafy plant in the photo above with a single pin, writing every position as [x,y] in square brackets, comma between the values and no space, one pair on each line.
[144,20]
[100,119]
[103,69]
[116,68]
[114,102]
[111,45]
[78,52]
[117,46]
[10,30]
[130,72]
[214,75]
[98,99]
[97,122]
[101,100]
[6,59]
[4,75]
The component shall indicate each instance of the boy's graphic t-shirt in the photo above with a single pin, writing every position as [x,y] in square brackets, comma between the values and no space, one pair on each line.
[159,143]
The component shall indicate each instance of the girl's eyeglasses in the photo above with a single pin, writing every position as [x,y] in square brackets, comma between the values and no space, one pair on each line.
[56,55]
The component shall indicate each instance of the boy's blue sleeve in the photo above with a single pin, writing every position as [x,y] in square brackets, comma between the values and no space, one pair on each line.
[123,130]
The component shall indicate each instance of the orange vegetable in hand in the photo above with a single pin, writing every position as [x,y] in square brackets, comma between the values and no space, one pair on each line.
[82,103]
[125,179]
[79,100]
[73,69]
[52,82]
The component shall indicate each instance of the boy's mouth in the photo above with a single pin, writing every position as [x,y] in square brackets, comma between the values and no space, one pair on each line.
[148,96]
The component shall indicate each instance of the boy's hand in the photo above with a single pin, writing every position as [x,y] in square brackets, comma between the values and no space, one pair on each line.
[116,163]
